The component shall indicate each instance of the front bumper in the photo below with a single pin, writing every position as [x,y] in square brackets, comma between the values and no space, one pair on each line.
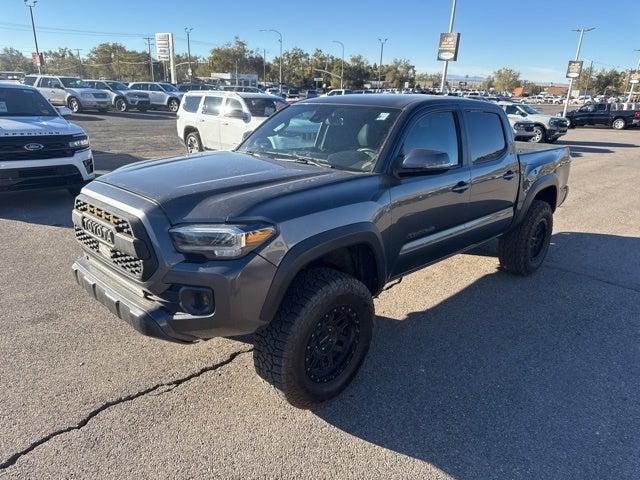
[138,102]
[98,103]
[63,172]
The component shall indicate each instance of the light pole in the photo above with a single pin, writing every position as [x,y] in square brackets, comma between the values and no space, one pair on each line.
[632,85]
[33,27]
[80,62]
[188,31]
[382,42]
[280,40]
[443,80]
[264,67]
[148,40]
[581,30]
[342,64]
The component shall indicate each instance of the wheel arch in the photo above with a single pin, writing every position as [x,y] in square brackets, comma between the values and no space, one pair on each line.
[355,249]
[544,188]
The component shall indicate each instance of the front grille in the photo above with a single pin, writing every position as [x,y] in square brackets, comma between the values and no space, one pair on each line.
[125,254]
[39,177]
[122,225]
[53,146]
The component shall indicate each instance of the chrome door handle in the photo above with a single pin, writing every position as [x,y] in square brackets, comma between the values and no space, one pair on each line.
[509,175]
[460,187]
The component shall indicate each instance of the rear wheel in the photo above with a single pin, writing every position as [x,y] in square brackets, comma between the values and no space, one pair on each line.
[193,143]
[121,105]
[522,250]
[619,124]
[318,339]
[74,105]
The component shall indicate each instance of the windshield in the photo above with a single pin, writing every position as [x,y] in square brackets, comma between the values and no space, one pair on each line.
[528,109]
[335,136]
[71,82]
[263,107]
[117,85]
[167,87]
[22,102]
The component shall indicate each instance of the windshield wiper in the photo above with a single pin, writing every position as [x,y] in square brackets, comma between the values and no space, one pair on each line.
[292,157]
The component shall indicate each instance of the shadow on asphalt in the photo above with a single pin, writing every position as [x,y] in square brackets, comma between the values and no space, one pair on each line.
[578,151]
[107,162]
[513,377]
[596,144]
[43,207]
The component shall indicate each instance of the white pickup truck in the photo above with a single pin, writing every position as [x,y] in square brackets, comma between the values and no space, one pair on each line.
[212,120]
[38,147]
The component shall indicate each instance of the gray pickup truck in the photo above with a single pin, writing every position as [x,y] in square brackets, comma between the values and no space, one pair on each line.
[291,235]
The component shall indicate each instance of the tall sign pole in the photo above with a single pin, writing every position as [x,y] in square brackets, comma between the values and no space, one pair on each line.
[575,67]
[382,42]
[633,80]
[188,31]
[148,40]
[443,81]
[35,38]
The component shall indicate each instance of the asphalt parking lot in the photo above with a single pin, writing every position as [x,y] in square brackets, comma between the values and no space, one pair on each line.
[472,374]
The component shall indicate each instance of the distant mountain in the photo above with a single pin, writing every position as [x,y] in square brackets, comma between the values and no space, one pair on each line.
[464,78]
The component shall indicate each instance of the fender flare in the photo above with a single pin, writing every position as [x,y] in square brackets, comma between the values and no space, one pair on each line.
[312,248]
[549,180]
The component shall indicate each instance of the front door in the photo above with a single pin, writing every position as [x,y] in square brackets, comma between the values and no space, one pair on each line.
[494,175]
[209,122]
[429,210]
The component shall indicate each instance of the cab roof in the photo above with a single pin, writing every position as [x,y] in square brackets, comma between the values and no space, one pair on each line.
[401,101]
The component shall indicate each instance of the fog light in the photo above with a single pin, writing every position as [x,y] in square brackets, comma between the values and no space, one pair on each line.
[196,301]
[88,164]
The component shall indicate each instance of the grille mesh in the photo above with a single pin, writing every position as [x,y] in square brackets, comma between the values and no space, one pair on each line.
[122,225]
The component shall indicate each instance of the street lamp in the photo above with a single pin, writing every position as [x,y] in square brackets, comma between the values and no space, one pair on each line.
[280,40]
[632,85]
[33,27]
[188,31]
[581,30]
[382,42]
[342,64]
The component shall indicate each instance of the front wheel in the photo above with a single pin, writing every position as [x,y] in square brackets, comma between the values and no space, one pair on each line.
[173,105]
[121,105]
[318,339]
[539,135]
[193,143]
[619,124]
[74,105]
[522,250]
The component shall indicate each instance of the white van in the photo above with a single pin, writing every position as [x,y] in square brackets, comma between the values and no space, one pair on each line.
[213,120]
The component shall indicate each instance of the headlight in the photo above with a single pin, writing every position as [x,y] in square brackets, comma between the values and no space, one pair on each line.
[220,241]
[86,95]
[79,142]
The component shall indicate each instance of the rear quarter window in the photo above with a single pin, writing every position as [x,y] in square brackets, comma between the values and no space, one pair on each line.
[485,136]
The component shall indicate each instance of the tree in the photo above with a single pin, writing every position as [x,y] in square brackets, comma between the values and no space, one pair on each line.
[429,80]
[12,60]
[399,71]
[356,71]
[585,80]
[115,61]
[609,81]
[62,61]
[233,55]
[488,83]
[506,79]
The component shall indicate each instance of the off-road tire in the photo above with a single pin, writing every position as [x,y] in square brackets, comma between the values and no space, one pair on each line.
[281,353]
[74,105]
[517,249]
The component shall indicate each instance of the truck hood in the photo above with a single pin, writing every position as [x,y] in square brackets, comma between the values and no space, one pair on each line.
[220,186]
[19,126]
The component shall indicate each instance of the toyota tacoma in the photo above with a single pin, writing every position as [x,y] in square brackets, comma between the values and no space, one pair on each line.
[291,235]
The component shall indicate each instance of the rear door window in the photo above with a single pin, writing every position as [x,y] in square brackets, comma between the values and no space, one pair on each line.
[262,107]
[485,136]
[191,103]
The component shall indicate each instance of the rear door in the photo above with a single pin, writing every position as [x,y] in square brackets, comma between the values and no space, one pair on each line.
[430,210]
[494,173]
[231,128]
[600,116]
[156,95]
[209,121]
[189,113]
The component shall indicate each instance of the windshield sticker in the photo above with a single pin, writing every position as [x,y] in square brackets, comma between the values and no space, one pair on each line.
[383,116]
[3,107]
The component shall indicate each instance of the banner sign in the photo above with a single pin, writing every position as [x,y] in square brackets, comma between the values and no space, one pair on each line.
[448,47]
[574,68]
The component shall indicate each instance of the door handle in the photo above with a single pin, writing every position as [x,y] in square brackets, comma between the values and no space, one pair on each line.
[460,187]
[225,123]
[509,175]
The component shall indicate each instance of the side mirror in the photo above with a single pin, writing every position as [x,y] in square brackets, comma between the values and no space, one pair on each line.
[64,111]
[420,160]
[236,113]
[246,134]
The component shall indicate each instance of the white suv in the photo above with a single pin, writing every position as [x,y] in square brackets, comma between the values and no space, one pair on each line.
[160,94]
[39,148]
[69,91]
[220,120]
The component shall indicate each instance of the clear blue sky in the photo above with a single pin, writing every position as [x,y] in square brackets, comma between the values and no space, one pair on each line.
[533,37]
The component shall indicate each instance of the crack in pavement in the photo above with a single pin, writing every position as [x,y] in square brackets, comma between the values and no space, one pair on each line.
[172,384]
